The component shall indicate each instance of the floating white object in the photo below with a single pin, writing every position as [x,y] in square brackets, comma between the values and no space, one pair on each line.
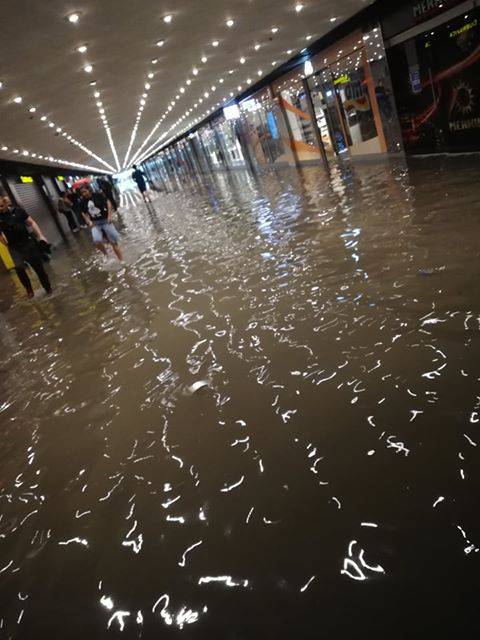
[196,386]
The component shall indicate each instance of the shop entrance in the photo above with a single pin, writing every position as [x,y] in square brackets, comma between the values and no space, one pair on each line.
[343,110]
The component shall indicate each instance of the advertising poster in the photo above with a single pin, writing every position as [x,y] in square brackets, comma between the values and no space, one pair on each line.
[436,79]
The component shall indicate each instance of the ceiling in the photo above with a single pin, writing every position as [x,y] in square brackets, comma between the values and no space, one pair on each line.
[40,63]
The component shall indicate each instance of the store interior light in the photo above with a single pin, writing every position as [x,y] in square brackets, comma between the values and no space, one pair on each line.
[73,18]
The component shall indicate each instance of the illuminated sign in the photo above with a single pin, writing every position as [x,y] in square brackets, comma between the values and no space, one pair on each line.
[60,178]
[466,27]
[26,179]
[231,112]
[343,79]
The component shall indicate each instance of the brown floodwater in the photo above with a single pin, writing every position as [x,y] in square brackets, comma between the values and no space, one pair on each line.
[266,426]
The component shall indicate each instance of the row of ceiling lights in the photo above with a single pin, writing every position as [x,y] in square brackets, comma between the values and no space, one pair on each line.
[58,131]
[88,68]
[195,71]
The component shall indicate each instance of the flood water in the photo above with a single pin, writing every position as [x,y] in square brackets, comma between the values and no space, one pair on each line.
[322,482]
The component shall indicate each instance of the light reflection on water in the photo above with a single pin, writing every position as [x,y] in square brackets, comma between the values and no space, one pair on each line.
[269,418]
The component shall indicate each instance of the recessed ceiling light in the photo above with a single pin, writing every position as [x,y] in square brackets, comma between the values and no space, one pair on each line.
[239,87]
[4,148]
[298,7]
[257,47]
[82,48]
[333,19]
[215,43]
[274,63]
[167,19]
[195,72]
[221,81]
[230,23]
[51,124]
[289,51]
[99,104]
[249,81]
[274,29]
[147,86]
[32,110]
[88,68]
[43,118]
[18,99]
[93,83]
[204,59]
[259,72]
[309,37]
[73,18]
[182,89]
[242,60]
[160,43]
[188,81]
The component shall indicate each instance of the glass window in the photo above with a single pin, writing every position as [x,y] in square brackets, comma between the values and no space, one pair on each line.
[294,102]
[264,126]
[229,140]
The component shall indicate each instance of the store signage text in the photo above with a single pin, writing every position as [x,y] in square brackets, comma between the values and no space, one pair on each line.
[466,27]
[422,9]
[343,79]
[462,125]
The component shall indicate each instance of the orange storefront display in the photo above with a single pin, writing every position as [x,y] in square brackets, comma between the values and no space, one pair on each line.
[294,101]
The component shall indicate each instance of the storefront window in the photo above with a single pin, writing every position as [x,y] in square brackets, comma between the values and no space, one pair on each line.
[293,99]
[211,147]
[229,140]
[351,87]
[264,129]
[327,113]
[436,81]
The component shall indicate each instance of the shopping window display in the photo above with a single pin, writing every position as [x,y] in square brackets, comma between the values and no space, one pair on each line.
[436,78]
[293,99]
[266,129]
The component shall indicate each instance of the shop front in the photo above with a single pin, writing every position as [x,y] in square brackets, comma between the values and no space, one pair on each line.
[266,130]
[435,66]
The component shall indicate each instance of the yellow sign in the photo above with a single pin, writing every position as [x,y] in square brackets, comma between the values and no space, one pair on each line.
[343,79]
[26,178]
[466,27]
[60,178]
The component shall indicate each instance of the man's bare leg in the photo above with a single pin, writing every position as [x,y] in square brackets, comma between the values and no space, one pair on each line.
[118,252]
[101,247]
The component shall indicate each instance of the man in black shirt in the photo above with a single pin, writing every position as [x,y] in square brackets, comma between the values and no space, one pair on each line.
[16,228]
[97,211]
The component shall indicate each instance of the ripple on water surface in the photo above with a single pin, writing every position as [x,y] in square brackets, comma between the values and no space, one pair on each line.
[266,424]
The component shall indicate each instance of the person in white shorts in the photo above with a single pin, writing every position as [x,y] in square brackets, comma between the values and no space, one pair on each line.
[97,211]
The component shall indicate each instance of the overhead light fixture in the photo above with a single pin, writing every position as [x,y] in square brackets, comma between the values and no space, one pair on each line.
[257,47]
[82,48]
[73,18]
[204,59]
[195,71]
[88,68]
[99,104]
[32,110]
[150,75]
[18,99]
[309,37]
[147,86]
[242,60]
[167,19]
[333,19]
[160,43]
[230,23]
[43,118]
[93,83]
[289,52]
[215,43]
[188,81]
[274,29]
[154,61]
